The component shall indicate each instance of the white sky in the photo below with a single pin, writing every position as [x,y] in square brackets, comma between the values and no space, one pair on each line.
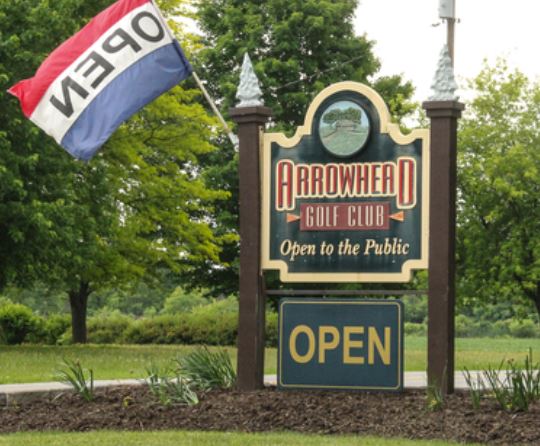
[406,42]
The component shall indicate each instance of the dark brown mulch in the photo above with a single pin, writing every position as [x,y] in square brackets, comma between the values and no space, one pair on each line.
[396,415]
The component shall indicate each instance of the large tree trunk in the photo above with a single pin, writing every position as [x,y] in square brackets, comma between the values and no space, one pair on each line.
[78,300]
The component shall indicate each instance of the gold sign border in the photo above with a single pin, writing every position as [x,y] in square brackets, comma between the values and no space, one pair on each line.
[387,127]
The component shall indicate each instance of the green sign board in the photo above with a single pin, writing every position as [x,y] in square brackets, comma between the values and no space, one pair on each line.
[346,198]
[340,344]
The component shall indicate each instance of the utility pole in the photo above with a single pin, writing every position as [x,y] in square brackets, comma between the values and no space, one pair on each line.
[447,12]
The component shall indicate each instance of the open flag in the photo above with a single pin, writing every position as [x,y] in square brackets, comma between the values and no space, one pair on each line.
[121,60]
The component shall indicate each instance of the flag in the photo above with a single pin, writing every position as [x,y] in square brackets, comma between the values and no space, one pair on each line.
[121,60]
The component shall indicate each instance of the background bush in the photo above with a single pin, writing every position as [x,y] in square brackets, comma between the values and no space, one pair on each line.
[271,329]
[18,324]
[415,308]
[211,322]
[524,328]
[107,328]
[415,329]
[55,326]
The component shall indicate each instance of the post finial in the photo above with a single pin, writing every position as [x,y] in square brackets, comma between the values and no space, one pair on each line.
[444,84]
[249,92]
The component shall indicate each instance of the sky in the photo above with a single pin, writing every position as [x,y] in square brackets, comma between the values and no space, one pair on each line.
[408,44]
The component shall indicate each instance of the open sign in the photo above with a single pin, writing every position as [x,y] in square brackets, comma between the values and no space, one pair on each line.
[340,344]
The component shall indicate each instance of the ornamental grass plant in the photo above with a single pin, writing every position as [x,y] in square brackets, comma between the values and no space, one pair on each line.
[207,369]
[81,380]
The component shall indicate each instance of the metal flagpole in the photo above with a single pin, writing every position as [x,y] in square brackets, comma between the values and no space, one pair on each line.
[230,134]
[232,137]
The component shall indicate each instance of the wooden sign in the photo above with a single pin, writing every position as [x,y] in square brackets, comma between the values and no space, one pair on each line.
[346,199]
[340,344]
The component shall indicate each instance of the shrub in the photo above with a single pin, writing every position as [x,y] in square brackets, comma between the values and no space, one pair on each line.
[415,329]
[415,308]
[200,327]
[164,329]
[271,329]
[108,329]
[218,306]
[213,329]
[18,324]
[215,323]
[464,326]
[501,328]
[524,329]
[55,326]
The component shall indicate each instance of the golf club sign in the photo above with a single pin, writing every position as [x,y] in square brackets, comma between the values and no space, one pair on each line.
[346,198]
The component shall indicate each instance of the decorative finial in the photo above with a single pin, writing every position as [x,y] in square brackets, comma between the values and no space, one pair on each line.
[249,93]
[444,84]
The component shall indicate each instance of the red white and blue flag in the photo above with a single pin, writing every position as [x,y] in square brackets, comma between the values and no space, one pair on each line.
[122,59]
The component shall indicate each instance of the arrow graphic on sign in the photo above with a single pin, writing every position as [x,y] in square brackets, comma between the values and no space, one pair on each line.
[398,216]
[345,216]
[292,217]
[354,216]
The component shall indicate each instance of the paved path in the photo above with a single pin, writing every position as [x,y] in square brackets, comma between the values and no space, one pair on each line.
[10,393]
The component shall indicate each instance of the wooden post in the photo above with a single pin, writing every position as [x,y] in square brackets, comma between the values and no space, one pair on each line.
[251,325]
[442,234]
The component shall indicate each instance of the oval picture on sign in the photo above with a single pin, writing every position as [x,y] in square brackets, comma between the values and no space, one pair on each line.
[344,128]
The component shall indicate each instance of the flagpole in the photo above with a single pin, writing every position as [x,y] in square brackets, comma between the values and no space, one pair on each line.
[233,138]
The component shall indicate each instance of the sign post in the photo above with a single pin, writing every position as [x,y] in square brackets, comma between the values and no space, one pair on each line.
[348,198]
[250,115]
[444,112]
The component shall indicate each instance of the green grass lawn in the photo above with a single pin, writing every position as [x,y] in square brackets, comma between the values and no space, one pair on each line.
[174,438]
[34,363]
[30,363]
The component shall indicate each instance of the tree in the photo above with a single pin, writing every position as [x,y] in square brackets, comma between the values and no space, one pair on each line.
[499,191]
[349,114]
[298,48]
[32,170]
[138,207]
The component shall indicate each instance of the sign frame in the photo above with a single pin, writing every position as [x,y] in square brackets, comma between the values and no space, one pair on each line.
[336,302]
[386,127]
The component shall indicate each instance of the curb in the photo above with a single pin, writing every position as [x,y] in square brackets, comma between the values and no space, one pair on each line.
[13,394]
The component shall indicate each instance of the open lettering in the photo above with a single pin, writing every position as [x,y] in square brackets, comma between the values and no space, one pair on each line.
[97,66]
[357,344]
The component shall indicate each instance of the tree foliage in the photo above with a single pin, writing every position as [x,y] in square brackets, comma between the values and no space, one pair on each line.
[349,114]
[34,176]
[298,48]
[138,207]
[499,190]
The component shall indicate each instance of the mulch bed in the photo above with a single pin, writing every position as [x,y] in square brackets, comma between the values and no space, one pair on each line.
[383,414]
